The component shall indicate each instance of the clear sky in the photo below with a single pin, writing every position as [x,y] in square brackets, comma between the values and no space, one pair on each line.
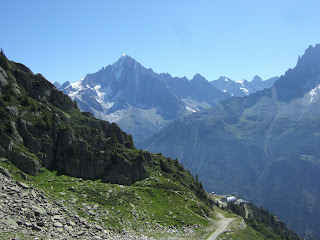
[65,40]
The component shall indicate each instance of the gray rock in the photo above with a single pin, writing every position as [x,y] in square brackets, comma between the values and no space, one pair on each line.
[68,228]
[23,185]
[36,228]
[71,223]
[28,224]
[33,194]
[10,223]
[5,172]
[13,110]
[98,227]
[40,224]
[38,210]
[57,224]
[28,164]
[57,218]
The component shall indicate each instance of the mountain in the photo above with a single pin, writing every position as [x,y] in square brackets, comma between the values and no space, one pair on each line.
[138,99]
[67,175]
[264,146]
[243,87]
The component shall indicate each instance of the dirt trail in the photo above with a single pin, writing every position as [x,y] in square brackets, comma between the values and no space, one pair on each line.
[223,224]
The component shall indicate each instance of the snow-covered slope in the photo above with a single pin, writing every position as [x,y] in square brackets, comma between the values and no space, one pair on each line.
[243,87]
[138,99]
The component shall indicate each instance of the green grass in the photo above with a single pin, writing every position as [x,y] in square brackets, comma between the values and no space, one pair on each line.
[141,208]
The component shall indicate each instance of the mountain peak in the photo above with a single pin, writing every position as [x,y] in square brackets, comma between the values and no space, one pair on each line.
[198,77]
[256,78]
[124,57]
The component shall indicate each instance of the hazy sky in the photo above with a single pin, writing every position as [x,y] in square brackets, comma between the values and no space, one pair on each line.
[65,40]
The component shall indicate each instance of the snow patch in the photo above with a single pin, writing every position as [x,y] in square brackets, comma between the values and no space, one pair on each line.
[241,81]
[76,88]
[224,91]
[314,93]
[190,109]
[245,91]
[226,80]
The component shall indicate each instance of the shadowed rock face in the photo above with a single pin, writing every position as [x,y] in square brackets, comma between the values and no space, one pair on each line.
[40,126]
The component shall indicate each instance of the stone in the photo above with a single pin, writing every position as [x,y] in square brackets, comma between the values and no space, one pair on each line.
[13,110]
[98,227]
[40,224]
[10,223]
[23,185]
[57,224]
[95,207]
[28,224]
[68,228]
[36,228]
[5,172]
[71,223]
[91,213]
[33,194]
[57,218]
[38,210]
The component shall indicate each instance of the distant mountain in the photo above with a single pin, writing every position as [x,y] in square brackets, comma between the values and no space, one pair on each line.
[264,146]
[243,87]
[138,99]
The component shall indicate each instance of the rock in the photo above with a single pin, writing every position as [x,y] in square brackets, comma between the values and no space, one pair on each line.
[72,224]
[10,223]
[98,227]
[95,207]
[68,228]
[5,172]
[38,210]
[57,224]
[28,164]
[40,224]
[57,218]
[13,110]
[27,224]
[33,194]
[23,185]
[91,213]
[36,228]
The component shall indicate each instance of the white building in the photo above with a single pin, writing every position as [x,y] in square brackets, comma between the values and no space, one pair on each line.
[228,199]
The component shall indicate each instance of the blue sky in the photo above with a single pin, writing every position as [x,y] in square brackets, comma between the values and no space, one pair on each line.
[65,40]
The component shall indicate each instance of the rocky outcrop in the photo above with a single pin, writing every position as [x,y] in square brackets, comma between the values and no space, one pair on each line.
[40,126]
[125,171]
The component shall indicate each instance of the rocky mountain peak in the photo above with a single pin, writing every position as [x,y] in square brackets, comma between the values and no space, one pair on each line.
[199,78]
[303,78]
[256,78]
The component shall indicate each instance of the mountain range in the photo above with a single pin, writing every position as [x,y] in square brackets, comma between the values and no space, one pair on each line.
[264,146]
[243,87]
[142,102]
[65,174]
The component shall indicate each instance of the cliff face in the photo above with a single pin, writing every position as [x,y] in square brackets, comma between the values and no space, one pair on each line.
[40,126]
